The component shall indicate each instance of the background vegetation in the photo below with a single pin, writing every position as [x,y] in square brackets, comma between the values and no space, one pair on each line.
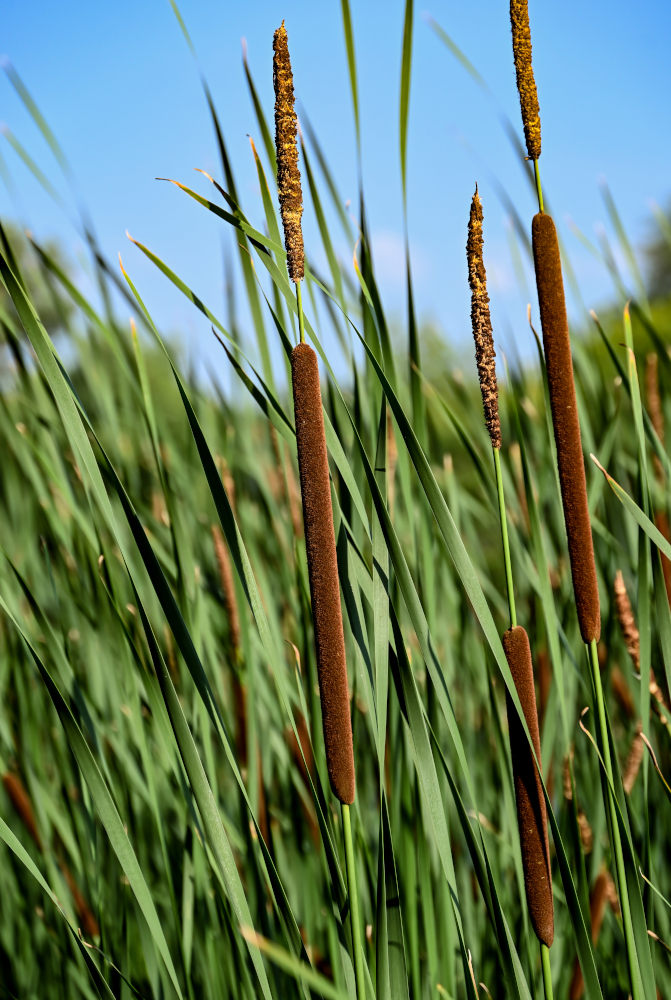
[167,823]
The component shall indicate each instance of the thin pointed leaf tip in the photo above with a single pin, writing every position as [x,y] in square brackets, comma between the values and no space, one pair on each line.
[288,174]
[526,84]
[485,356]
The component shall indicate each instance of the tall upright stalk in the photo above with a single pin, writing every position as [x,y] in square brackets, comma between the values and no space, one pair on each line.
[539,189]
[299,310]
[355,920]
[504,537]
[316,495]
[545,950]
[559,366]
[528,790]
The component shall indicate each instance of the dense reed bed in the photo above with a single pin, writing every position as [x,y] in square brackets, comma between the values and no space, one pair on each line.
[189,668]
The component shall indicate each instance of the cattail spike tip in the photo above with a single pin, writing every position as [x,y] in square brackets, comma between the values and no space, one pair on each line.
[288,174]
[526,84]
[485,355]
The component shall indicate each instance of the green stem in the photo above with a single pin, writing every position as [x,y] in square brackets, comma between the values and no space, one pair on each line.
[604,747]
[299,307]
[539,189]
[353,904]
[504,537]
[547,972]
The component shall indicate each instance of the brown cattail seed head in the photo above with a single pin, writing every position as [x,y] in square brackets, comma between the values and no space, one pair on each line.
[526,85]
[531,812]
[564,408]
[323,571]
[288,174]
[482,323]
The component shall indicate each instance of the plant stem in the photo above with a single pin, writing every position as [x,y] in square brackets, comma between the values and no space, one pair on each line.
[539,189]
[604,747]
[353,904]
[547,972]
[504,537]
[545,951]
[299,307]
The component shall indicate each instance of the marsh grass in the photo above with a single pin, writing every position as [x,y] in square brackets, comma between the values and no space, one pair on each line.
[213,872]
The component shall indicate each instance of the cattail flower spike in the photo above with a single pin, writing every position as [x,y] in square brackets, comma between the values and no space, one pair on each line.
[531,808]
[316,495]
[288,174]
[526,86]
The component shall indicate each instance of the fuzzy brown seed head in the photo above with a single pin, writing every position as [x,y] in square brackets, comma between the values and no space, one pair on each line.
[559,365]
[531,811]
[526,84]
[323,571]
[288,174]
[481,322]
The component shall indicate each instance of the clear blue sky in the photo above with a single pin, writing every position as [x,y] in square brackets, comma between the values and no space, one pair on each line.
[120,89]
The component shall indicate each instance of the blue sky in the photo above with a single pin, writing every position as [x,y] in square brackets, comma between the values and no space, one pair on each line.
[121,91]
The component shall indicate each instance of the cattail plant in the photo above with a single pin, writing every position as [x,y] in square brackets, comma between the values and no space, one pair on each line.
[485,355]
[526,84]
[531,808]
[559,366]
[316,491]
[288,174]
[323,571]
